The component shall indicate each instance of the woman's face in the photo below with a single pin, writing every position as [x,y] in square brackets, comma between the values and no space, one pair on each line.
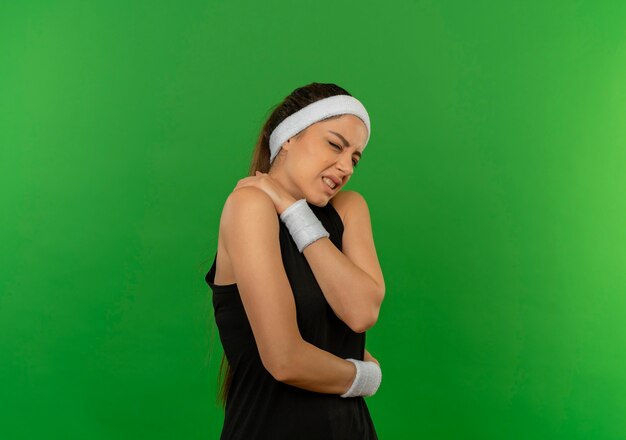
[327,148]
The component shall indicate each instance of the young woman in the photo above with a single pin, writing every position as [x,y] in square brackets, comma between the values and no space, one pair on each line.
[296,280]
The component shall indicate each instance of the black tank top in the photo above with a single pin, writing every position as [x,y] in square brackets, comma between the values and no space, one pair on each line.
[260,407]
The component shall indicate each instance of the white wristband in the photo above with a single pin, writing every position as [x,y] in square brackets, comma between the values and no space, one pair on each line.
[303,224]
[367,380]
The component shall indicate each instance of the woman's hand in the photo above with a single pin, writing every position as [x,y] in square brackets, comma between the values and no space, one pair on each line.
[369,357]
[279,195]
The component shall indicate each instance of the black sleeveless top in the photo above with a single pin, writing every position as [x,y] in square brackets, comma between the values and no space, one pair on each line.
[260,407]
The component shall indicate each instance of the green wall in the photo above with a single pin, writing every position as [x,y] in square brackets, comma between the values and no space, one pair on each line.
[495,176]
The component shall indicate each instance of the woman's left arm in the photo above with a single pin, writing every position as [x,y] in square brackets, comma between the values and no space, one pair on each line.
[351,279]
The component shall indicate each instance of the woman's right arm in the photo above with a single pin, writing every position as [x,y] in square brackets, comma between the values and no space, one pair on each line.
[250,228]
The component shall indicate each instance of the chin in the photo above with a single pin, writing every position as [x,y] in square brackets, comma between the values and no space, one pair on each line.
[319,201]
[319,204]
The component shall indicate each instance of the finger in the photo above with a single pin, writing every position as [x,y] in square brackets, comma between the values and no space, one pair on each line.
[244,180]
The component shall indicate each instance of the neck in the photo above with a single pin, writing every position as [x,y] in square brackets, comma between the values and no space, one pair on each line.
[281,177]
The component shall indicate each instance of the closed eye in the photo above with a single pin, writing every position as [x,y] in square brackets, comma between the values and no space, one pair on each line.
[354,162]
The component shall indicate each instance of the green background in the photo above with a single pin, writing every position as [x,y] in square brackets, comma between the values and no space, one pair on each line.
[495,177]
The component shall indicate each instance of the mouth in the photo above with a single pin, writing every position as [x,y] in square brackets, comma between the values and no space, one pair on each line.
[328,186]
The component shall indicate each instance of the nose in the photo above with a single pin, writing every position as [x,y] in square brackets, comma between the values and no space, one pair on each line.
[344,164]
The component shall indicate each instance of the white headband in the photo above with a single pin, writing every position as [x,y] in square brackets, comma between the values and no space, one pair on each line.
[312,113]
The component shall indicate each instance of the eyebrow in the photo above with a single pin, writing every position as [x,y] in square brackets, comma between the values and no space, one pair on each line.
[345,142]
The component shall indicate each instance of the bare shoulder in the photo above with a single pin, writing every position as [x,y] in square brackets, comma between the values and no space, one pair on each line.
[241,207]
[347,200]
[247,199]
[247,206]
